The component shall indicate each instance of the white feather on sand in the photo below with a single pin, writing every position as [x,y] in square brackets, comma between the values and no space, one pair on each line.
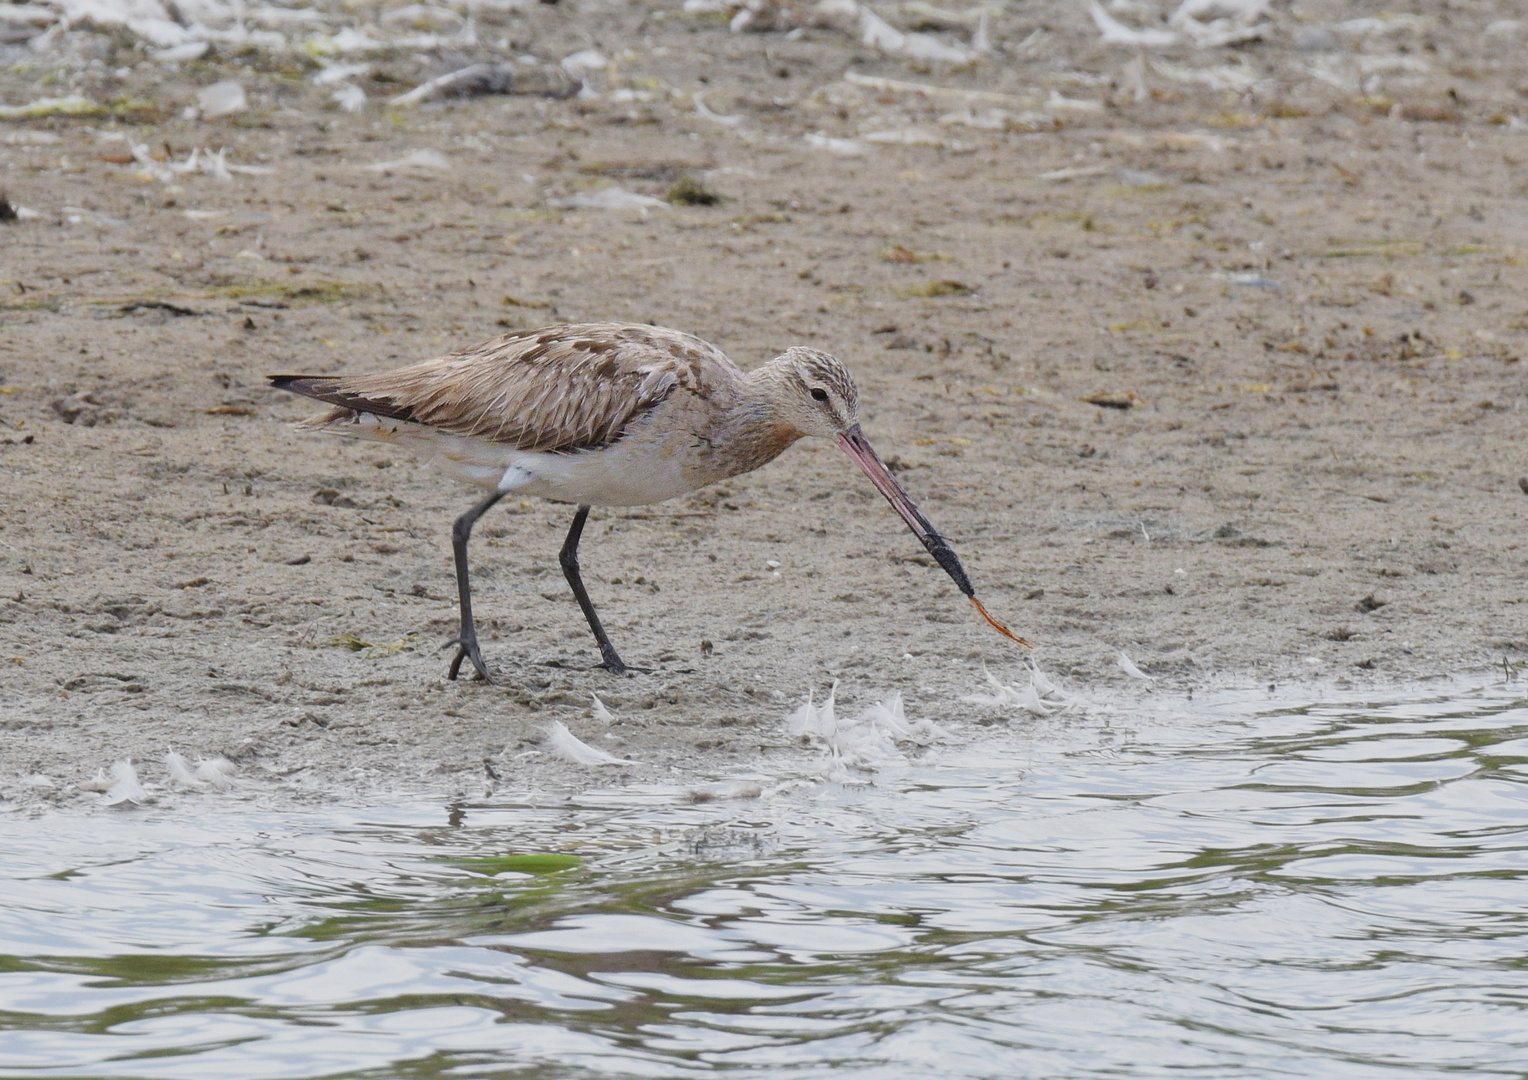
[340,72]
[1211,23]
[878,34]
[570,748]
[216,165]
[610,198]
[1117,33]
[349,97]
[1244,12]
[843,147]
[706,114]
[427,160]
[1128,667]
[201,160]
[176,54]
[600,711]
[1222,77]
[222,99]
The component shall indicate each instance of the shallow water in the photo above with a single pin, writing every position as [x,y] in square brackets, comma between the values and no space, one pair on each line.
[1232,888]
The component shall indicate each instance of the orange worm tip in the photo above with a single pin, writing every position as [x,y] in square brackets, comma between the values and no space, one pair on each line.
[999,627]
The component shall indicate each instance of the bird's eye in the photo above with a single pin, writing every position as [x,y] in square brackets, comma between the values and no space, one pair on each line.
[819,394]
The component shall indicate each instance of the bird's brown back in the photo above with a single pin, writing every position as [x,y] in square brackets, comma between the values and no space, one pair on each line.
[558,388]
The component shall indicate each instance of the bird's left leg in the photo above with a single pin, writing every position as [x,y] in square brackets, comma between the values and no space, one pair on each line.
[466,640]
[569,560]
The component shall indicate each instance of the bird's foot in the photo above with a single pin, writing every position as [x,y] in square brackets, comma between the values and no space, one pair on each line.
[611,661]
[467,649]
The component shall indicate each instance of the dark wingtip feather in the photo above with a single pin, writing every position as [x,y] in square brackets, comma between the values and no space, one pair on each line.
[307,385]
[324,388]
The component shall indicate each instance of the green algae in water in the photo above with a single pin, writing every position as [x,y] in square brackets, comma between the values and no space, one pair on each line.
[539,865]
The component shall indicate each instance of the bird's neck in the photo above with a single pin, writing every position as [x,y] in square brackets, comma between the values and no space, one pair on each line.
[753,432]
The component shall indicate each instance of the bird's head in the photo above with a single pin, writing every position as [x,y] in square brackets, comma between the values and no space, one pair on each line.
[817,394]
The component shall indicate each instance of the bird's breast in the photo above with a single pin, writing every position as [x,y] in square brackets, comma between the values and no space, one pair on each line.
[741,451]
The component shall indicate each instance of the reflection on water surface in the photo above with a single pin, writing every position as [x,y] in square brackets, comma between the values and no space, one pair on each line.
[1242,889]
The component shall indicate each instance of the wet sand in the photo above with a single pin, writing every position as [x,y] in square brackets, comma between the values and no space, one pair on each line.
[1311,301]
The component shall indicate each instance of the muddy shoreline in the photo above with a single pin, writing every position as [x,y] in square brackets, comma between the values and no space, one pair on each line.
[1312,307]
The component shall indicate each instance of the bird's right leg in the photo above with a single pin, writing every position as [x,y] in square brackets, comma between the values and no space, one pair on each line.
[466,640]
[569,560]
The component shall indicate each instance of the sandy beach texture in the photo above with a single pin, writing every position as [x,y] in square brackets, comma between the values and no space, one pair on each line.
[1307,294]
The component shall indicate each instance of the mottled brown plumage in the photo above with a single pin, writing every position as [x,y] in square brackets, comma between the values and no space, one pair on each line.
[557,389]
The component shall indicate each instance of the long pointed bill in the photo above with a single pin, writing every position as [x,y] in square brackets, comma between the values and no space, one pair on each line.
[854,443]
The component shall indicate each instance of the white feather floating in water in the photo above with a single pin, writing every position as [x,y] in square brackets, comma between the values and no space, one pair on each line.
[180,772]
[600,711]
[216,771]
[1128,667]
[569,747]
[124,786]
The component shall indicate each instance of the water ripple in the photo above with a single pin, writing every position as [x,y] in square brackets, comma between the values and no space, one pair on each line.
[1232,888]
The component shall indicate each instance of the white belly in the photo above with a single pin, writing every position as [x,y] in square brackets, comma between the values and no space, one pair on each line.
[639,469]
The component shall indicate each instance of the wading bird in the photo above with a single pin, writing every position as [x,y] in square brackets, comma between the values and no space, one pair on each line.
[605,414]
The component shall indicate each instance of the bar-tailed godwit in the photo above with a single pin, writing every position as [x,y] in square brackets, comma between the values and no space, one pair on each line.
[605,414]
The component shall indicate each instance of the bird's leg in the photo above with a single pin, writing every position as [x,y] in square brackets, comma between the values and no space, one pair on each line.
[466,640]
[569,559]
